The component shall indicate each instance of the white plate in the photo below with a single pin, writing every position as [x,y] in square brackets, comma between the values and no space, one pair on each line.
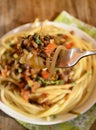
[60,118]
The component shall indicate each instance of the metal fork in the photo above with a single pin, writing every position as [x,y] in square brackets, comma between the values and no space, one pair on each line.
[70,57]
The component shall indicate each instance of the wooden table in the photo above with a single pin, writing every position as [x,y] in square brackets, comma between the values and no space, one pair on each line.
[17,12]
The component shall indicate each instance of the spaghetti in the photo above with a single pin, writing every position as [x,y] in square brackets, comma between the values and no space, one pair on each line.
[29,81]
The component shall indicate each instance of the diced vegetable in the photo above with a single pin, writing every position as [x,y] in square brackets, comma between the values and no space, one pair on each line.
[37,38]
[69,45]
[50,48]
[25,94]
[50,82]
[4,72]
[45,74]
[27,78]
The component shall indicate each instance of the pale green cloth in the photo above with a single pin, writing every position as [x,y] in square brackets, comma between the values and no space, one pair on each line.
[83,122]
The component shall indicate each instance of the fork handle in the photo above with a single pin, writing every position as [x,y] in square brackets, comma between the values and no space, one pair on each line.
[91,52]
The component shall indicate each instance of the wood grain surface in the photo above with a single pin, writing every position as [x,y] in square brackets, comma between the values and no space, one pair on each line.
[17,12]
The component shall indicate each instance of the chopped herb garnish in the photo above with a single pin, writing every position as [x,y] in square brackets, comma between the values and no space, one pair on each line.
[38,41]
[37,38]
[59,82]
[50,82]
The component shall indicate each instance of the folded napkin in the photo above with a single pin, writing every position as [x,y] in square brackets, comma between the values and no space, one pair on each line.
[82,122]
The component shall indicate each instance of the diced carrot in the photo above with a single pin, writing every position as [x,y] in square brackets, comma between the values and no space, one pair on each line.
[25,94]
[44,95]
[27,78]
[69,45]
[4,72]
[45,74]
[50,48]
